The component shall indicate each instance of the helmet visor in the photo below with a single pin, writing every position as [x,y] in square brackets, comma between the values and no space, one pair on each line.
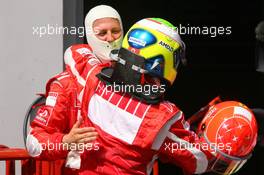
[222,162]
[225,164]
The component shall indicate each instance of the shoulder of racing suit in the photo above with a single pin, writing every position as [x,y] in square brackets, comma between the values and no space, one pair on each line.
[77,58]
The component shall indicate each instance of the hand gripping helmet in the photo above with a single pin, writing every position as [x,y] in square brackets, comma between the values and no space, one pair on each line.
[229,129]
[151,50]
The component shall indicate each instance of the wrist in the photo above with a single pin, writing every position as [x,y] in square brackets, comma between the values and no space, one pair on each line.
[65,139]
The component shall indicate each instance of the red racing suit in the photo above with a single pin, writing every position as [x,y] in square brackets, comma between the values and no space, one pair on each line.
[132,134]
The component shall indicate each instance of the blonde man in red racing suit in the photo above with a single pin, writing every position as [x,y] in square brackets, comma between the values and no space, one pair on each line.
[104,33]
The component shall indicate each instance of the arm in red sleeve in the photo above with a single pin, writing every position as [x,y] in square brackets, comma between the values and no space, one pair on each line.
[182,148]
[49,125]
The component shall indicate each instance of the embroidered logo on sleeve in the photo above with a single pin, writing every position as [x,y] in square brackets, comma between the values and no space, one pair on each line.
[52,99]
[93,61]
[43,115]
[83,51]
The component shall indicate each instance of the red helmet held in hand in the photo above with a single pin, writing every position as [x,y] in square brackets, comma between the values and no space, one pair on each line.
[229,129]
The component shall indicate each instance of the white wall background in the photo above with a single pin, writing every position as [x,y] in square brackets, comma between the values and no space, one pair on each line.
[26,61]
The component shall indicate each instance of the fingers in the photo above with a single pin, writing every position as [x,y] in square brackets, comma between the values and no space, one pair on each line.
[83,130]
[87,140]
[80,135]
[87,135]
[84,135]
[78,123]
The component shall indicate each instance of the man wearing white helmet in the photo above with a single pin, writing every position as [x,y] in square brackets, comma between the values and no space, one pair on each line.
[104,31]
[57,121]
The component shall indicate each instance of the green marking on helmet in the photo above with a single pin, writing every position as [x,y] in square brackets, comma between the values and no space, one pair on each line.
[165,22]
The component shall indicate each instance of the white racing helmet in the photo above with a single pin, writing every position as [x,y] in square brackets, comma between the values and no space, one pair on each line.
[101,48]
